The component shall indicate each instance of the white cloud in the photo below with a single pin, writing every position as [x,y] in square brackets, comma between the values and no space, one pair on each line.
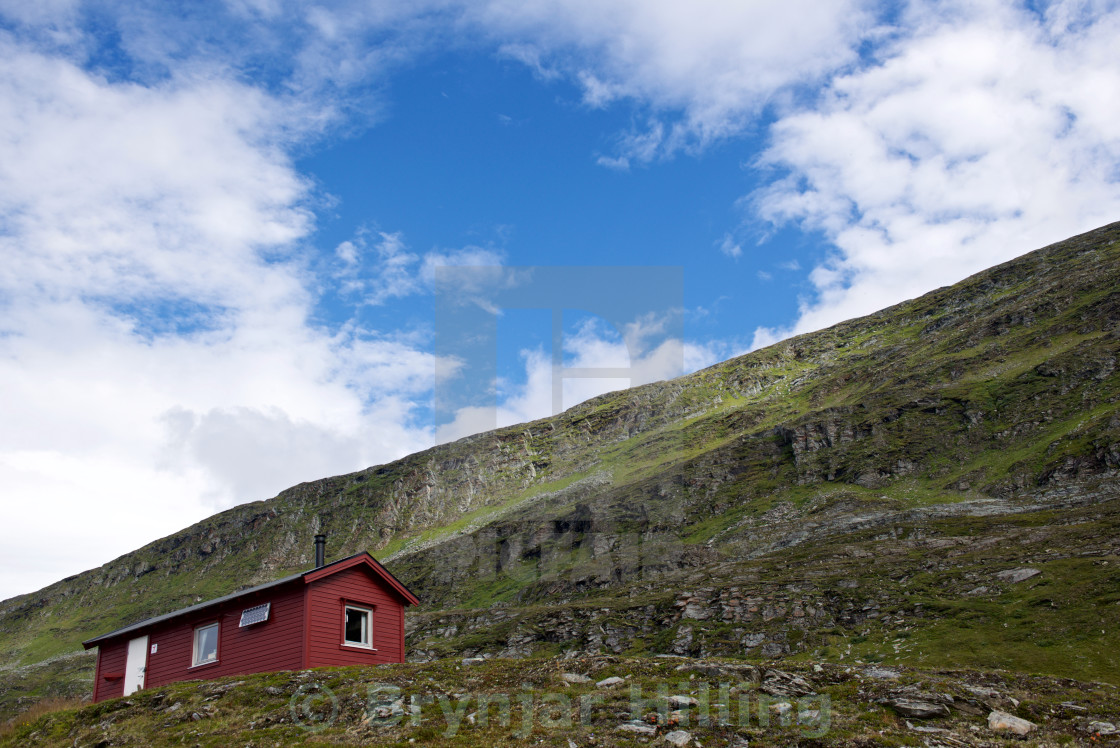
[706,68]
[469,276]
[56,13]
[377,269]
[180,427]
[729,247]
[54,498]
[643,352]
[982,134]
[530,56]
[618,163]
[484,264]
[155,353]
[248,452]
[347,251]
[122,189]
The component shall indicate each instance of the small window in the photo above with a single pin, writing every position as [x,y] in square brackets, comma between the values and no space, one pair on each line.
[206,644]
[357,625]
[256,614]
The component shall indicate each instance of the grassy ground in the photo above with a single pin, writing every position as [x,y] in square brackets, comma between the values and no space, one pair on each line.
[527,702]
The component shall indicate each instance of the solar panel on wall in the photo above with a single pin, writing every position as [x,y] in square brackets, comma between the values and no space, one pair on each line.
[256,614]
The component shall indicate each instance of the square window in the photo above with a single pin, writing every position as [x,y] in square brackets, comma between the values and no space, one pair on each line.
[357,625]
[206,644]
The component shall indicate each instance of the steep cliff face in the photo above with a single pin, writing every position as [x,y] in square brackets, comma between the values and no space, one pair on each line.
[994,397]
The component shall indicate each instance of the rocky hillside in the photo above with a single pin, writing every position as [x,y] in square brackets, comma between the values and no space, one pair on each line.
[934,484]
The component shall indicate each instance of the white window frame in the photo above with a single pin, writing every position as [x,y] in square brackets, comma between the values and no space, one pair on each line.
[197,635]
[368,612]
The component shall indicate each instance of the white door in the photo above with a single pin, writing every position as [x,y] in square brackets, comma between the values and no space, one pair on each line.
[136,664]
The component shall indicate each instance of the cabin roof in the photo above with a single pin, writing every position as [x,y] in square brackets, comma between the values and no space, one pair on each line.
[309,576]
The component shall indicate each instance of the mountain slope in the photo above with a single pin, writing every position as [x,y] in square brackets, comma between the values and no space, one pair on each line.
[900,458]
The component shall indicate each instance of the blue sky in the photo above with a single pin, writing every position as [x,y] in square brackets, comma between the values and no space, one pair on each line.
[227,226]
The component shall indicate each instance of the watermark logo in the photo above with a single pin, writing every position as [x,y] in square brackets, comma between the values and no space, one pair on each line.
[315,708]
[643,305]
[591,545]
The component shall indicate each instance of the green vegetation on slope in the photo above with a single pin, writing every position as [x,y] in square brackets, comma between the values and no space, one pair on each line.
[1002,388]
[528,702]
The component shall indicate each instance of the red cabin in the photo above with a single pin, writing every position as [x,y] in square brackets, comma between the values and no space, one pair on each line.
[348,612]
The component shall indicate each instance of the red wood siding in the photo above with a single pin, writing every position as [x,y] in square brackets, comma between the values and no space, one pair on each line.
[276,644]
[357,586]
[304,629]
[111,658]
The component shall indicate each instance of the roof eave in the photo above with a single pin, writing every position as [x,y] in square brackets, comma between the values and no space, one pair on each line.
[308,576]
[368,560]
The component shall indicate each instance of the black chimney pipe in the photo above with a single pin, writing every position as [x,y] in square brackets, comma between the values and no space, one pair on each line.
[320,551]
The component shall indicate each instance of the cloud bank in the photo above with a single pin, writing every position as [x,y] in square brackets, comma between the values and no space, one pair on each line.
[987,130]
[158,362]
